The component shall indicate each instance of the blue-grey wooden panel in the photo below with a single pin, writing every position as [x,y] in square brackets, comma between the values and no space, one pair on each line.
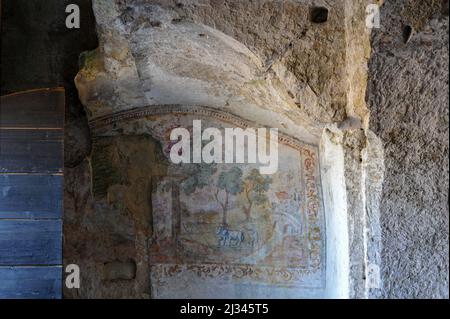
[30,282]
[31,151]
[42,108]
[30,196]
[30,242]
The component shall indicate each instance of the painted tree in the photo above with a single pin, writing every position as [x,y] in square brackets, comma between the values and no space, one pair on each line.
[229,183]
[254,189]
[197,177]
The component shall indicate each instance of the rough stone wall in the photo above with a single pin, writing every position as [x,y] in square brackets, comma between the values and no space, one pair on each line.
[313,73]
[408,87]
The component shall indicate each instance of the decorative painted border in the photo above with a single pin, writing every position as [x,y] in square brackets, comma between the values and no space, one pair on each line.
[152,110]
[313,207]
[287,277]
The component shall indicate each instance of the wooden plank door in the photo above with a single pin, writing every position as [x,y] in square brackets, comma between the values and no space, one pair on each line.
[31,193]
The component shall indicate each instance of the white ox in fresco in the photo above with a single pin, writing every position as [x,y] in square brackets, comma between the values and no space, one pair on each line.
[229,238]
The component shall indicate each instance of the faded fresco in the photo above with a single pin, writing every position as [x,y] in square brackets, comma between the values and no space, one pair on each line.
[227,226]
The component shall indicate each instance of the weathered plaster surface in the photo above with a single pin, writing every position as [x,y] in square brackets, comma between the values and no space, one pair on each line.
[276,68]
[408,99]
[335,201]
[107,216]
[276,247]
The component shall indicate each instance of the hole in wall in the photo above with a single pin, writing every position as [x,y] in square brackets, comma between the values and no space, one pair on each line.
[407,33]
[155,24]
[318,15]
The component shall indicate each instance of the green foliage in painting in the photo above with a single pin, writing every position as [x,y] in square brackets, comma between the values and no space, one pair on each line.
[231,181]
[254,188]
[198,176]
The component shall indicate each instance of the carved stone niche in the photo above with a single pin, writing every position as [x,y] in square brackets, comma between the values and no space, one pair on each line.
[309,230]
